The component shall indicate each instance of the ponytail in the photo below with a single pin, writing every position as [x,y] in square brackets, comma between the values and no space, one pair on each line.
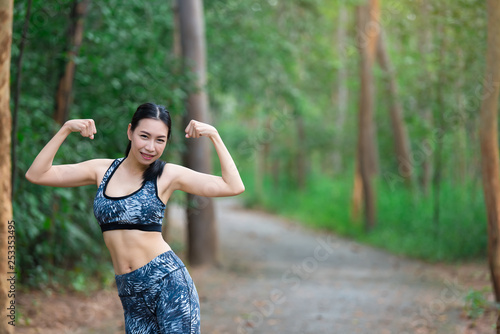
[127,150]
[153,171]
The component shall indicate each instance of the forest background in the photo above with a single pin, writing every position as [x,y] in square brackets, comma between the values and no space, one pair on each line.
[284,87]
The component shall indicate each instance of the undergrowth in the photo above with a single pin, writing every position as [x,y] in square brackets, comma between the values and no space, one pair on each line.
[406,223]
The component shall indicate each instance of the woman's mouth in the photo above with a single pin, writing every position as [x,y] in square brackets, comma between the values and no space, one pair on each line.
[147,156]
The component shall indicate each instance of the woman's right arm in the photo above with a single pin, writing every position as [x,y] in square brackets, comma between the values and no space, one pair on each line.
[44,173]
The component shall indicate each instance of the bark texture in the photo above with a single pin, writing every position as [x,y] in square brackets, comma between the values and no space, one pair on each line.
[6,11]
[75,32]
[489,143]
[340,92]
[401,141]
[301,156]
[368,31]
[425,37]
[202,236]
[177,48]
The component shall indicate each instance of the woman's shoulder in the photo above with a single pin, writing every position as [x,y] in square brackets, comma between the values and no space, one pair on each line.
[100,163]
[171,167]
[98,166]
[172,170]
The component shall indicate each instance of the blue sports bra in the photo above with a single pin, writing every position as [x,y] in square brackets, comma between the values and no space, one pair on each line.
[141,210]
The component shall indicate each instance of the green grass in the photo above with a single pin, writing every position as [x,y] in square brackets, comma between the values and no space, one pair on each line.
[405,220]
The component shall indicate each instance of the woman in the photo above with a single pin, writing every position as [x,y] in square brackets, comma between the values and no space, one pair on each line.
[156,291]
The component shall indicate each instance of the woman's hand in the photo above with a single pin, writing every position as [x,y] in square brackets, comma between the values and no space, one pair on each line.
[43,172]
[202,184]
[86,127]
[197,129]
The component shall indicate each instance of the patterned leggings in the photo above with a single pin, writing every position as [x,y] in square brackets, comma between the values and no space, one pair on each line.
[160,297]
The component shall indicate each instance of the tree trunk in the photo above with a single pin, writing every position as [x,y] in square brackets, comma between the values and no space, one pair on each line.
[461,133]
[489,143]
[17,93]
[259,156]
[6,271]
[368,27]
[266,148]
[177,47]
[357,192]
[371,29]
[340,89]
[441,126]
[401,142]
[301,154]
[202,237]
[425,48]
[75,32]
[258,173]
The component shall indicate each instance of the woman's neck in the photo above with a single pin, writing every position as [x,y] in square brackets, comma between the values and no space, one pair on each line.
[133,166]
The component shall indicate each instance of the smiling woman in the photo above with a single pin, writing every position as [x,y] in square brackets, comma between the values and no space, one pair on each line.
[157,293]
[151,136]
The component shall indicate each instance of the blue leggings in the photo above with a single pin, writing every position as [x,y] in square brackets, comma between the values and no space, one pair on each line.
[160,297]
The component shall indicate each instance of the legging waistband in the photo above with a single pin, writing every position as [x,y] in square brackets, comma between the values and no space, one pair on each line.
[143,278]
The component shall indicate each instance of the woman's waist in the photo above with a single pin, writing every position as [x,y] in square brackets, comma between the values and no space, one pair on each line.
[149,275]
[132,249]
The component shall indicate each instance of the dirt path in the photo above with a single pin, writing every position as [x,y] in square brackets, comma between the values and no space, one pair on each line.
[276,276]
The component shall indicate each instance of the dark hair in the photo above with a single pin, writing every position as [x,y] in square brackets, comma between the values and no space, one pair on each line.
[153,111]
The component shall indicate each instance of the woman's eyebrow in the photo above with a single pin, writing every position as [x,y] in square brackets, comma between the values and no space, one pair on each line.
[145,132]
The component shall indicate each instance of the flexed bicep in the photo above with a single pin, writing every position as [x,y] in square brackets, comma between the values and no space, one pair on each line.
[229,184]
[201,184]
[43,172]
[72,175]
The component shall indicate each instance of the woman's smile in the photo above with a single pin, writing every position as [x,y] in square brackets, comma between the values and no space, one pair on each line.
[146,156]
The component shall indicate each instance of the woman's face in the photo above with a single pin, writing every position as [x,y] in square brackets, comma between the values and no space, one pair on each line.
[148,140]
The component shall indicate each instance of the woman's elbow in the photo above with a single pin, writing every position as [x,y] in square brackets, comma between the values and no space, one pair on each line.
[30,177]
[239,189]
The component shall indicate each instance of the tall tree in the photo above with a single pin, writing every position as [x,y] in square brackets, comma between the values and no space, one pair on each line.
[301,155]
[340,92]
[489,144]
[177,48]
[368,31]
[6,12]
[401,141]
[441,125]
[425,44]
[75,35]
[202,237]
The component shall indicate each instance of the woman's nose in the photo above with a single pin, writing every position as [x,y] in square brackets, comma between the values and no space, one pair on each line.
[150,146]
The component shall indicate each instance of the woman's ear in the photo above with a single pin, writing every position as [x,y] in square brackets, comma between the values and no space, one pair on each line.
[129,131]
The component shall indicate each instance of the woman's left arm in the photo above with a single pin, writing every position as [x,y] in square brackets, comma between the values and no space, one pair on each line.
[229,184]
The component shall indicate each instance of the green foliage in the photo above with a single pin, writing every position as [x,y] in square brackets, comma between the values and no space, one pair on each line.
[426,45]
[476,303]
[125,60]
[405,225]
[273,76]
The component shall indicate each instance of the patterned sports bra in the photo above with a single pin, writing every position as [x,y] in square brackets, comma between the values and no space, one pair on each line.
[141,210]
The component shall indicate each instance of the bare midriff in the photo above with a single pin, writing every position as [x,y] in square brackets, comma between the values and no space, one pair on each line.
[132,249]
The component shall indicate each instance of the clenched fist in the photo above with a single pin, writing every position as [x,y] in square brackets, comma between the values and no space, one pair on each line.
[197,129]
[86,127]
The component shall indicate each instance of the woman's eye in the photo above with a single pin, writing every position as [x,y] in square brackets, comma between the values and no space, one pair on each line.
[161,140]
[144,136]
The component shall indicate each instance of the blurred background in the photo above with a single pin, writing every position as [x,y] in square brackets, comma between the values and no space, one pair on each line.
[285,81]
